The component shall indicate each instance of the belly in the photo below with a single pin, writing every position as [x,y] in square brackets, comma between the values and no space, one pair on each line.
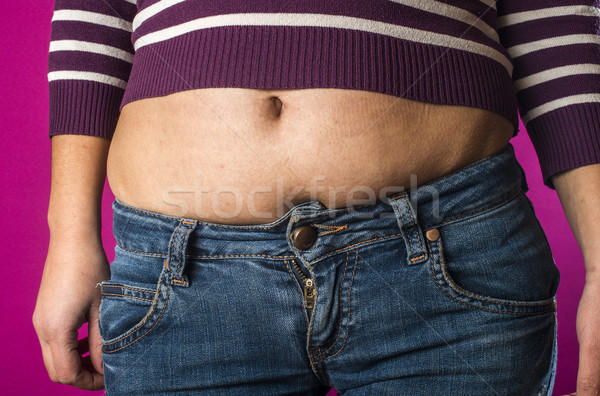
[245,156]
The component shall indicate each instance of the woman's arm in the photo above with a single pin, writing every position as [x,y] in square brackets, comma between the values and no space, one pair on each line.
[90,58]
[75,263]
[579,192]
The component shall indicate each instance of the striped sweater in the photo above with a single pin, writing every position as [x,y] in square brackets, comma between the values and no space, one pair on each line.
[536,58]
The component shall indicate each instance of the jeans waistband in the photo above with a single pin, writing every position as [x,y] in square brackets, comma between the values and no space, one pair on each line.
[407,214]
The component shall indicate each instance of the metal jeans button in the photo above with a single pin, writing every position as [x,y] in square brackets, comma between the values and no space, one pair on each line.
[433,234]
[304,237]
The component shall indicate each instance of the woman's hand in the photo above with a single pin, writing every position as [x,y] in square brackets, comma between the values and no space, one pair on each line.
[68,298]
[588,335]
[579,192]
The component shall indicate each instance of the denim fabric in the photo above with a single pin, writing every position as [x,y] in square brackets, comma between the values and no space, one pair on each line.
[395,308]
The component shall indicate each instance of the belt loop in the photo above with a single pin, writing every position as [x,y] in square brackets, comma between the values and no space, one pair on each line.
[416,247]
[176,254]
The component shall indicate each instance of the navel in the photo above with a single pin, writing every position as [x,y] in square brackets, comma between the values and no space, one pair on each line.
[277,106]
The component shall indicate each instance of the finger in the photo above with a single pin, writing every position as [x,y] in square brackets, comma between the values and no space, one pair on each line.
[95,341]
[46,355]
[67,363]
[588,376]
[48,363]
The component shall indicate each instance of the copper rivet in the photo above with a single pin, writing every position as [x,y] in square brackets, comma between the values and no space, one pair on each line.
[433,234]
[304,237]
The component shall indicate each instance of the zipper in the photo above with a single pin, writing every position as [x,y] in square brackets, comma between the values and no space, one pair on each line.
[309,293]
[308,285]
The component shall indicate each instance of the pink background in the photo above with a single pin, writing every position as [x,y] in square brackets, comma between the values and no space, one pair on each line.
[25,181]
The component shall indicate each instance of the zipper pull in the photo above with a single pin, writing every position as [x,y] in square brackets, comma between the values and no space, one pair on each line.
[309,293]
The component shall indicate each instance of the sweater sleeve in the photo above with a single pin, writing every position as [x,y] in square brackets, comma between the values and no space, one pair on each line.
[89,61]
[555,49]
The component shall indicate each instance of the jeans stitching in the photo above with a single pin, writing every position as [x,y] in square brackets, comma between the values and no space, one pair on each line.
[150,329]
[408,245]
[181,252]
[439,247]
[170,252]
[480,211]
[554,357]
[140,326]
[354,245]
[177,255]
[128,287]
[265,255]
[143,253]
[311,324]
[126,296]
[414,224]
[299,291]
[417,258]
[340,305]
[314,363]
[348,323]
[238,256]
[479,297]
[332,229]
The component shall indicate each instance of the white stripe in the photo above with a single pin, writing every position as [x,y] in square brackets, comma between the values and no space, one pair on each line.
[333,21]
[489,3]
[523,49]
[558,103]
[436,7]
[134,2]
[87,76]
[555,73]
[91,17]
[85,46]
[526,16]
[152,10]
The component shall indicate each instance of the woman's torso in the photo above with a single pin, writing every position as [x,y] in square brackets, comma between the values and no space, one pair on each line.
[238,156]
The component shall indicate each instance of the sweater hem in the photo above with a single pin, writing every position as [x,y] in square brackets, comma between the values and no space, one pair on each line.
[83,107]
[566,138]
[292,57]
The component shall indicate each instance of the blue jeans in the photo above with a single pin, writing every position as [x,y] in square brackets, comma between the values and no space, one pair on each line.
[444,289]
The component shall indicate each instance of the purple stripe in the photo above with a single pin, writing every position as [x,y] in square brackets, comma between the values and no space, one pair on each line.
[540,29]
[75,30]
[558,88]
[546,59]
[91,62]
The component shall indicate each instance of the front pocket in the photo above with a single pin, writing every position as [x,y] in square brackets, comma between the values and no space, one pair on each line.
[123,307]
[133,300]
[497,260]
